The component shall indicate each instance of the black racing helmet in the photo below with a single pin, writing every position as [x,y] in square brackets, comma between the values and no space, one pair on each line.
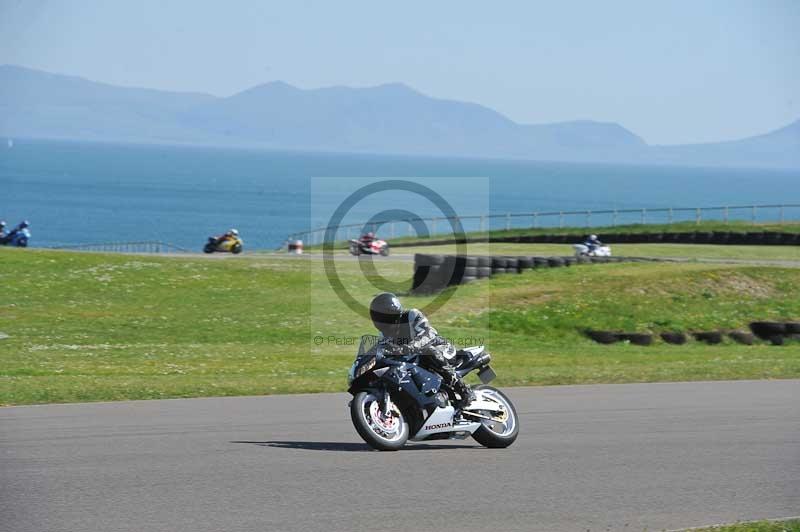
[386,312]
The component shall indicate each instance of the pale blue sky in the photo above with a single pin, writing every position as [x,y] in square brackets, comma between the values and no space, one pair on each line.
[672,72]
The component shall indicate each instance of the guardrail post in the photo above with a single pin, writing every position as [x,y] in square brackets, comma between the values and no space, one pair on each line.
[697,216]
[391,229]
[781,215]
[725,215]
[508,221]
[644,216]
[588,218]
[535,220]
[433,225]
[670,216]
[560,218]
[614,218]
[483,223]
[754,214]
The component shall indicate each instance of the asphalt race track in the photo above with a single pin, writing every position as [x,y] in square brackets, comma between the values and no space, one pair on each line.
[607,457]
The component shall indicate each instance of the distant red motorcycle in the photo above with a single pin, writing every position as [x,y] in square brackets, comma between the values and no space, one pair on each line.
[373,247]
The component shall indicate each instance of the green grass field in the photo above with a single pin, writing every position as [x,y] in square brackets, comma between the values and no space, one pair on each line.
[690,251]
[88,327]
[791,525]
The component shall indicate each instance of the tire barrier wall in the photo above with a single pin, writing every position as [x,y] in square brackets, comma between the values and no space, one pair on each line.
[766,238]
[773,332]
[434,273]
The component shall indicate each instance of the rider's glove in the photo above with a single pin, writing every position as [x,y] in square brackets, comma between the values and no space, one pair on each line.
[403,349]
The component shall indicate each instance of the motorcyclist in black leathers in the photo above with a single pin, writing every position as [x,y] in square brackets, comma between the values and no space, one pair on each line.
[408,331]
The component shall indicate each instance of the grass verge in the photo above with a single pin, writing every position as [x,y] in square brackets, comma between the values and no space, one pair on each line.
[88,327]
[791,525]
[688,251]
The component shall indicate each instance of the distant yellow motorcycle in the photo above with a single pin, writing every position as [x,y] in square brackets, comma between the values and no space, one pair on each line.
[230,242]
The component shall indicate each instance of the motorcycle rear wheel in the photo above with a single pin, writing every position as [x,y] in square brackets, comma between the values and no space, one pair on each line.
[379,432]
[208,248]
[494,434]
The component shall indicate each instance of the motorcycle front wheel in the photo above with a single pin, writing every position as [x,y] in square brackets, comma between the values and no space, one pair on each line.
[385,251]
[381,432]
[236,249]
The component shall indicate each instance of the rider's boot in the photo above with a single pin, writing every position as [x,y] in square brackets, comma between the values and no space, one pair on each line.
[464,391]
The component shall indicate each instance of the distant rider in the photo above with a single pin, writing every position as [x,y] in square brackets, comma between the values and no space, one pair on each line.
[366,240]
[592,243]
[230,235]
[18,236]
[2,231]
[408,331]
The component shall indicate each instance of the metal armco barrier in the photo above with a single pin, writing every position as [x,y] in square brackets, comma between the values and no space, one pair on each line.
[150,246]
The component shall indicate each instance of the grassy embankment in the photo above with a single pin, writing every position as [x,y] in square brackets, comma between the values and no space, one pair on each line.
[678,227]
[86,327]
[791,525]
[687,251]
[690,251]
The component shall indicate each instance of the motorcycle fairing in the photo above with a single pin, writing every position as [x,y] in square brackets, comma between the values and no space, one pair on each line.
[441,421]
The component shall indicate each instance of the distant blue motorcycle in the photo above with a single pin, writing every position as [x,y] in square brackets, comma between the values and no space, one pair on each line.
[17,237]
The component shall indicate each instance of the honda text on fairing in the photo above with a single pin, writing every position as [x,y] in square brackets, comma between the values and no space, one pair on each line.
[396,400]
[230,242]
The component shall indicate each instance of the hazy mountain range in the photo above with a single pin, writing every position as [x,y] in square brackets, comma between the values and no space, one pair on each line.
[391,118]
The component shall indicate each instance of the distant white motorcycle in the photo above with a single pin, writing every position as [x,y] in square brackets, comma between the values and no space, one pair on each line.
[582,250]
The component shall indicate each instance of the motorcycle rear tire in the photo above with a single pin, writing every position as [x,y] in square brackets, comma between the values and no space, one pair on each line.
[491,439]
[208,248]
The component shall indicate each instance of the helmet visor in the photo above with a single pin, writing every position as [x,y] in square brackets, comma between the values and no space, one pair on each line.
[386,323]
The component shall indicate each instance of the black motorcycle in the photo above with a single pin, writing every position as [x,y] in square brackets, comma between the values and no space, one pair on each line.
[395,399]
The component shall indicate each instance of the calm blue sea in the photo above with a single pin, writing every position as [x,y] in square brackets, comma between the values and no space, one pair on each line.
[89,193]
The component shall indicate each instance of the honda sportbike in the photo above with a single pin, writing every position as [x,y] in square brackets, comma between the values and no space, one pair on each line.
[375,247]
[395,399]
